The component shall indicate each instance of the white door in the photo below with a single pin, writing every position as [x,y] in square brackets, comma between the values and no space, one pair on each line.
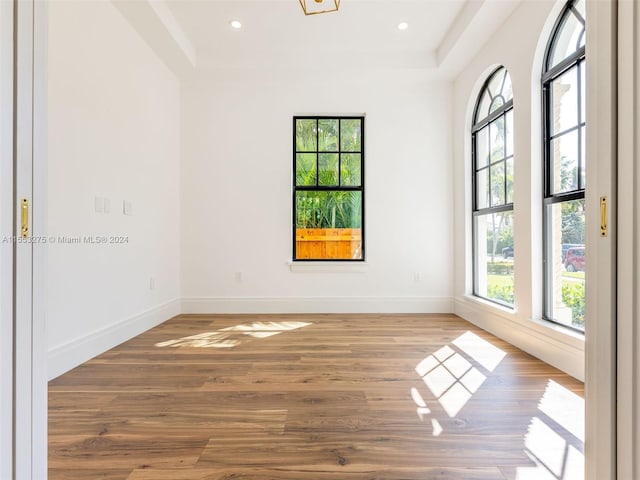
[23,412]
[6,239]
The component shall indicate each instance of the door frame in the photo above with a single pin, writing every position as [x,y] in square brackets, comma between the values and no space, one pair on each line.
[628,459]
[7,235]
[40,181]
[602,364]
[29,442]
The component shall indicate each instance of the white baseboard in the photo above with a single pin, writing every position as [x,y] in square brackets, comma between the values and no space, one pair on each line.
[552,344]
[317,305]
[63,358]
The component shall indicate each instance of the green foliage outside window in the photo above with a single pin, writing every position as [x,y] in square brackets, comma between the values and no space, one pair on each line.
[573,296]
[328,154]
[328,209]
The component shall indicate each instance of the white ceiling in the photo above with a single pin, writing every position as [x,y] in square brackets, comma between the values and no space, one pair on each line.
[279,32]
[442,34]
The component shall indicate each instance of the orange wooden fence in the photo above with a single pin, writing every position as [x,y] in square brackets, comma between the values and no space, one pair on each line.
[328,243]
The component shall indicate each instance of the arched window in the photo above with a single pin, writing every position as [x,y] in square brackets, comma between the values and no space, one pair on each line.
[492,147]
[563,87]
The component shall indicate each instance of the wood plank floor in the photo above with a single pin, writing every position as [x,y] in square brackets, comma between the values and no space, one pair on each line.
[326,397]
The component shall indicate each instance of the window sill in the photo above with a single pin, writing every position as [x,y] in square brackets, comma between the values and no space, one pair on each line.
[559,328]
[511,309]
[539,325]
[327,267]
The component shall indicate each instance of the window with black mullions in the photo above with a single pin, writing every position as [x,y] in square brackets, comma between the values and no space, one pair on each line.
[328,188]
[493,157]
[564,131]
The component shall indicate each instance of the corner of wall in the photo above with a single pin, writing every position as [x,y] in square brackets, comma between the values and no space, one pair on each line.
[63,358]
[551,344]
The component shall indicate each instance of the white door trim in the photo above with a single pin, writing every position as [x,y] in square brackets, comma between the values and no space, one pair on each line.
[40,230]
[600,348]
[629,235]
[6,234]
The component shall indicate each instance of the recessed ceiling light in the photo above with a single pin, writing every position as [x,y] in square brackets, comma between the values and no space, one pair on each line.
[403,26]
[235,24]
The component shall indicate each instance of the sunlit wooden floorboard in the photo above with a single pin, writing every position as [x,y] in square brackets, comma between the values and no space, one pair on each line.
[326,397]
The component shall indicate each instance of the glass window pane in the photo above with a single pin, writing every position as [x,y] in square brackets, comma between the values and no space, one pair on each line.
[510,180]
[583,158]
[583,93]
[497,135]
[582,40]
[580,7]
[483,107]
[482,148]
[507,89]
[328,135]
[306,135]
[567,40]
[350,135]
[564,164]
[306,172]
[566,263]
[328,209]
[482,189]
[351,169]
[329,225]
[494,257]
[496,83]
[564,101]
[496,104]
[497,184]
[497,92]
[328,169]
[509,133]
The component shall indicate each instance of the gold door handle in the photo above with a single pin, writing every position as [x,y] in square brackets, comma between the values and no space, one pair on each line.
[24,216]
[603,216]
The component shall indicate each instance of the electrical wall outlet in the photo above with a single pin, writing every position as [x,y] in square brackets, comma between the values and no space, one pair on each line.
[99,204]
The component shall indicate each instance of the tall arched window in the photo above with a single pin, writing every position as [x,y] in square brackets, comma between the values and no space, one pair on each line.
[563,87]
[492,147]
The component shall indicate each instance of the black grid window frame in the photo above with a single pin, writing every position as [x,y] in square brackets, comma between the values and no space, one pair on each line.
[319,188]
[477,211]
[550,74]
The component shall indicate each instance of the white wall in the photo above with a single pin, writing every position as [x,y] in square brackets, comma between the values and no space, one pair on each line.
[114,132]
[519,46]
[236,192]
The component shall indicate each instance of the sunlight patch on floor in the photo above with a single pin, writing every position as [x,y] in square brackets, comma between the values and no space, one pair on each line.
[565,408]
[481,351]
[230,337]
[552,456]
[415,394]
[453,374]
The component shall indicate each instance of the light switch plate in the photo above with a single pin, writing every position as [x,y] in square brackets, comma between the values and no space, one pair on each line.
[127,208]
[107,205]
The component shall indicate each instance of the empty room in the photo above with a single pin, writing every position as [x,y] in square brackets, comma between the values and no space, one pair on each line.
[319,239]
